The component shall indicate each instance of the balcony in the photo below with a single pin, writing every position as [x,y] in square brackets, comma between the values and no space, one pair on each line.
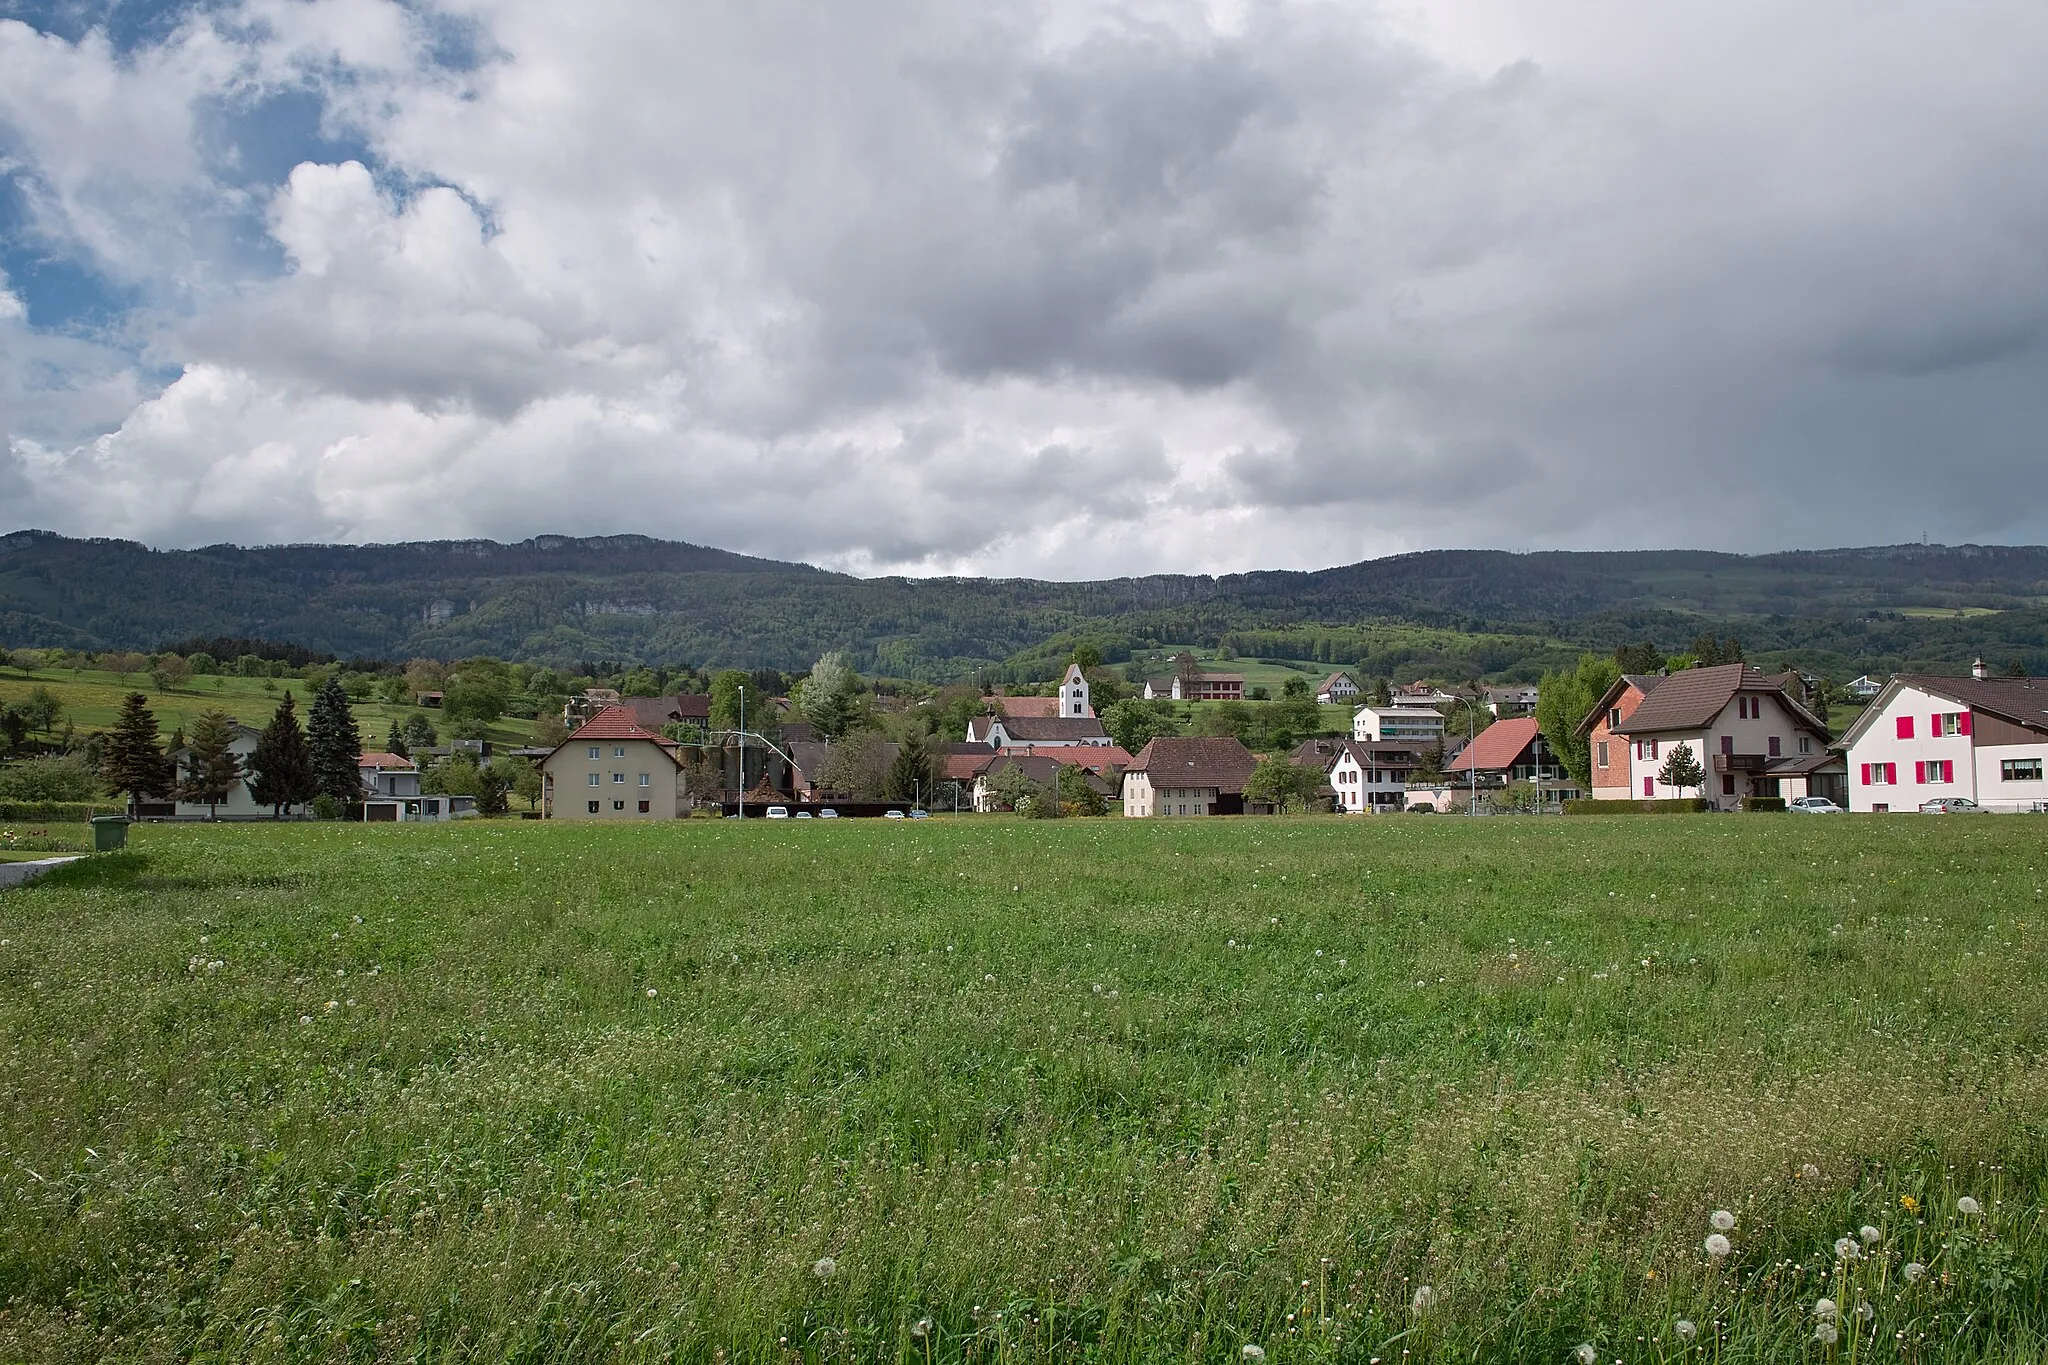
[1742,763]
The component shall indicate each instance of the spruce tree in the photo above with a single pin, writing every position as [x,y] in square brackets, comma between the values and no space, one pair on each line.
[336,744]
[394,743]
[282,764]
[910,776]
[134,762]
[211,767]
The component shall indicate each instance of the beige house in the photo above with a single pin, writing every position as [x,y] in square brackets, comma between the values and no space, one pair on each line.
[1188,777]
[613,768]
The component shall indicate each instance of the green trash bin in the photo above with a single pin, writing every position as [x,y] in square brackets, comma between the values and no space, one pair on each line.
[109,832]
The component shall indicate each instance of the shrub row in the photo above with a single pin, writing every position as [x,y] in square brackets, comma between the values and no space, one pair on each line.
[1687,806]
[56,812]
[1763,803]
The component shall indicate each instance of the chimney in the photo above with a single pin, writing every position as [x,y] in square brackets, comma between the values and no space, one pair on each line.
[1978,670]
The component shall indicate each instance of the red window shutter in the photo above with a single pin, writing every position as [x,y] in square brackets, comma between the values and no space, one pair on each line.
[1891,774]
[1905,727]
[1920,772]
[1963,723]
[1934,726]
[1866,774]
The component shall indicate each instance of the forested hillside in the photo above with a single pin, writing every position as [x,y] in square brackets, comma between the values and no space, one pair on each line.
[631,599]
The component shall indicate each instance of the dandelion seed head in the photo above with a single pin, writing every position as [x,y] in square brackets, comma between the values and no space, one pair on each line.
[1914,1272]
[1718,1246]
[1848,1249]
[1870,1235]
[1826,1334]
[1825,1310]
[1968,1206]
[1722,1220]
[1424,1297]
[1809,1172]
[1252,1352]
[1585,1354]
[825,1267]
[1685,1330]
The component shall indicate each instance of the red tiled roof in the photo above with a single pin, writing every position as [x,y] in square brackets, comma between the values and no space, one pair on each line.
[381,760]
[617,722]
[966,767]
[1497,747]
[1039,707]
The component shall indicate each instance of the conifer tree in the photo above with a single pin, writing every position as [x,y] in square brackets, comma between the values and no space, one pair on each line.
[910,776]
[336,744]
[211,766]
[394,743]
[134,762]
[282,764]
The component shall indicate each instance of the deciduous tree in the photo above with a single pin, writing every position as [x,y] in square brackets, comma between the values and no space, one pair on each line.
[1682,770]
[1562,701]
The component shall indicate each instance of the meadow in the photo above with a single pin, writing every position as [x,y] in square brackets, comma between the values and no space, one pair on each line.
[1000,1090]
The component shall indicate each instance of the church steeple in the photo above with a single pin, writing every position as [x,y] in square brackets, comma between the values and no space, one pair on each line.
[1074,703]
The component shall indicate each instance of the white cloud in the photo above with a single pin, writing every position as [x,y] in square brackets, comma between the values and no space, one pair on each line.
[1056,288]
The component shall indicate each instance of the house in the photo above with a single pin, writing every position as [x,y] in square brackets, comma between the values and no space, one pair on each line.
[1189,682]
[391,793]
[1335,689]
[613,768]
[1508,752]
[1518,699]
[1173,776]
[1420,693]
[1980,737]
[1609,754]
[1863,688]
[587,704]
[1743,729]
[691,710]
[239,802]
[1004,732]
[1367,778]
[428,698]
[1400,723]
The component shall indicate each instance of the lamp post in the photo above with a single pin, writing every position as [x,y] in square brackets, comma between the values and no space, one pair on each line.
[743,753]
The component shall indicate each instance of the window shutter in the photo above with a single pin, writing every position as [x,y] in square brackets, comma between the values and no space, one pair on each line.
[1866,774]
[1905,727]
[1963,723]
[1920,772]
[1891,774]
[1934,726]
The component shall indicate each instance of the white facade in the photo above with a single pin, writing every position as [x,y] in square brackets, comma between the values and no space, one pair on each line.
[1337,688]
[239,802]
[1745,737]
[1422,725]
[606,778]
[1142,800]
[1913,745]
[999,733]
[1074,695]
[1363,787]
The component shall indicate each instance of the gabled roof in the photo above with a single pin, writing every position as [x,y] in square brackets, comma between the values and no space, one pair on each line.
[2022,701]
[1497,748]
[381,761]
[616,723]
[1093,757]
[683,709]
[1014,707]
[1690,700]
[1325,751]
[1333,680]
[1175,762]
[1042,728]
[1641,682]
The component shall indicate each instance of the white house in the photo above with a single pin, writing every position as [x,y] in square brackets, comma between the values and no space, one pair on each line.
[1366,778]
[239,802]
[1042,732]
[1863,688]
[1398,724]
[1517,699]
[1336,688]
[1747,734]
[1172,776]
[1922,737]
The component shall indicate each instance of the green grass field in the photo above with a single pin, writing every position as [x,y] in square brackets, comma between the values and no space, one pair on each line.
[1002,1090]
[92,701]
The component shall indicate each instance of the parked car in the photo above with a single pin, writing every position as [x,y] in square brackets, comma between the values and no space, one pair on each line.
[1813,805]
[1421,809]
[893,815]
[804,815]
[1950,805]
[920,815]
[828,815]
[778,812]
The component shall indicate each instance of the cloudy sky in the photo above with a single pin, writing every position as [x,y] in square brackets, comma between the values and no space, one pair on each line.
[1064,288]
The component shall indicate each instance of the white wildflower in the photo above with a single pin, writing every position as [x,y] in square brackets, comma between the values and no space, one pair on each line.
[1252,1352]
[1718,1246]
[1914,1272]
[1826,1334]
[1722,1220]
[825,1267]
[1684,1330]
[1968,1206]
[1825,1310]
[1585,1354]
[1870,1235]
[922,1328]
[651,992]
[1424,1297]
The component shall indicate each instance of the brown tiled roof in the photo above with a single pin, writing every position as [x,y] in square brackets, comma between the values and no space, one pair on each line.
[1641,682]
[1325,752]
[381,761]
[2023,701]
[617,723]
[1691,699]
[963,767]
[1497,747]
[1331,681]
[1093,757]
[1042,707]
[1173,762]
[655,712]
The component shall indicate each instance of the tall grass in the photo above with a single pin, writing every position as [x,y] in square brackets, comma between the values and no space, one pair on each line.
[995,1090]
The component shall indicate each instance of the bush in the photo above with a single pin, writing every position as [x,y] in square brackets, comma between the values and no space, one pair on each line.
[57,812]
[1690,805]
[327,806]
[61,777]
[1763,803]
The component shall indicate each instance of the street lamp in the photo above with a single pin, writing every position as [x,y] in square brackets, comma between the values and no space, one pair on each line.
[743,752]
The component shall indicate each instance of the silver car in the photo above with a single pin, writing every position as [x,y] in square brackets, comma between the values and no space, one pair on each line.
[1813,805]
[1950,805]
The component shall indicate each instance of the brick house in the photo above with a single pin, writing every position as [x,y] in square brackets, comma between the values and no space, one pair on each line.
[1608,754]
[1747,733]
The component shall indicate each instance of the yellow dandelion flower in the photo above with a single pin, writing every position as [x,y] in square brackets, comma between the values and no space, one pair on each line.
[1909,1203]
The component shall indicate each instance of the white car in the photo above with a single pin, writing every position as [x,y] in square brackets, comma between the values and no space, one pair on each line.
[778,812]
[1813,805]
[894,815]
[828,815]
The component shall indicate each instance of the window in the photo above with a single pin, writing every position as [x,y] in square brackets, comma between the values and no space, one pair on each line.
[1806,744]
[1728,744]
[595,752]
[1879,808]
[643,808]
[597,779]
[1728,786]
[1949,723]
[646,779]
[1603,753]
[1774,746]
[1905,727]
[1614,719]
[619,778]
[618,805]
[2019,770]
[1938,770]
[618,751]
[593,808]
[1880,774]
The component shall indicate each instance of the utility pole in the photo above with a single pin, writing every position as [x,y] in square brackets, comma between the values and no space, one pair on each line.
[743,754]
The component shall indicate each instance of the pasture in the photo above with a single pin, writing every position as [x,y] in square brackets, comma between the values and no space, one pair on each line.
[999,1090]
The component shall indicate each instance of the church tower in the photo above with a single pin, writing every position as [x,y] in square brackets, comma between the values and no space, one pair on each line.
[1074,695]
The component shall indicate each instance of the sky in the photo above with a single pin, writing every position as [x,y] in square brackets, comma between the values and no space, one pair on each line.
[1070,288]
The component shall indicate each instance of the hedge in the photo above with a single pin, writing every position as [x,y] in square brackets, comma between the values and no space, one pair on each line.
[1763,803]
[1688,806]
[55,812]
